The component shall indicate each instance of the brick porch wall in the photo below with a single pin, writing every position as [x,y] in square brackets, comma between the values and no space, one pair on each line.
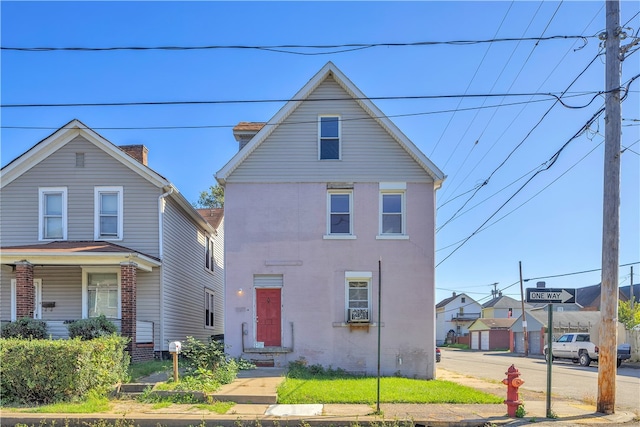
[128,278]
[25,292]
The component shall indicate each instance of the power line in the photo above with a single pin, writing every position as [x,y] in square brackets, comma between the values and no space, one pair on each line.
[286,48]
[257,101]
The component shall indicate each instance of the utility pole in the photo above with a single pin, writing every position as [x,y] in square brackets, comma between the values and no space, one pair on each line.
[631,297]
[524,316]
[611,215]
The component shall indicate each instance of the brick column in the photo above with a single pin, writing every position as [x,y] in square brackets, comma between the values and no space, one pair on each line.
[25,292]
[128,271]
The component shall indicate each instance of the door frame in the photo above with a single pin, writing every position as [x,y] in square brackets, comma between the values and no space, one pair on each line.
[255,311]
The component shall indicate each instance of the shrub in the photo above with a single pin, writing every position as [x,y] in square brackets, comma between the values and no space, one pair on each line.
[46,371]
[25,328]
[207,362]
[89,329]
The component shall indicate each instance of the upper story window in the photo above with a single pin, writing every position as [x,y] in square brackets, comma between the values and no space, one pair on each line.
[329,137]
[392,209]
[53,213]
[209,261]
[340,217]
[463,300]
[108,213]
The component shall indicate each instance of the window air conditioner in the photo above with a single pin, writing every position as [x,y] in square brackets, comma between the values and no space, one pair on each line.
[358,315]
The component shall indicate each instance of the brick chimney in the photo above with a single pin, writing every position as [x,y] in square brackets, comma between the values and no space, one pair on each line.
[244,131]
[138,152]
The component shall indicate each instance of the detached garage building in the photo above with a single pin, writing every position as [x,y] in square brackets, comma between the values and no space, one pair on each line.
[490,334]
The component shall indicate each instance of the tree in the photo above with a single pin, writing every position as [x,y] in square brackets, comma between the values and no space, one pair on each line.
[214,198]
[630,317]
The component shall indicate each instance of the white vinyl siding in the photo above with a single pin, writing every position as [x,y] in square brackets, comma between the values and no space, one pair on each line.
[53,213]
[109,213]
[20,198]
[368,152]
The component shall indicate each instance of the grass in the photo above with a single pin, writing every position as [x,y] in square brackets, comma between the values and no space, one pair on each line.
[143,369]
[93,404]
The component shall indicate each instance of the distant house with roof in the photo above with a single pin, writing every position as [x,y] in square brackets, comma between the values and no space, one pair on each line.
[589,296]
[503,307]
[454,314]
[490,333]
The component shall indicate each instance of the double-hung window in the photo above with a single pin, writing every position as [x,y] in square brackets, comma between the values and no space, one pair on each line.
[53,213]
[209,308]
[392,210]
[209,261]
[108,206]
[101,293]
[329,137]
[358,286]
[340,213]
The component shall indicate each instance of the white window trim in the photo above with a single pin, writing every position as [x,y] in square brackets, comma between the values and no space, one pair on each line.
[209,253]
[41,192]
[357,276]
[330,235]
[209,296]
[85,288]
[320,137]
[96,211]
[388,188]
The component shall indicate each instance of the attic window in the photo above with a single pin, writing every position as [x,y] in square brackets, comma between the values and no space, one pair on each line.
[329,137]
[79,160]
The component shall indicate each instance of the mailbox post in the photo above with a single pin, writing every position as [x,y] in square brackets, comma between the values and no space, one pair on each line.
[174,348]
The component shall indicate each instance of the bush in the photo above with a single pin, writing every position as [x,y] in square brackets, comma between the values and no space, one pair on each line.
[25,328]
[46,371]
[89,329]
[208,363]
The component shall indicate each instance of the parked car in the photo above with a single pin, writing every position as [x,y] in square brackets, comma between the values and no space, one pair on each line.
[579,349]
[438,355]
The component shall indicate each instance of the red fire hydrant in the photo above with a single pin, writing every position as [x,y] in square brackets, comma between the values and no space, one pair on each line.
[513,383]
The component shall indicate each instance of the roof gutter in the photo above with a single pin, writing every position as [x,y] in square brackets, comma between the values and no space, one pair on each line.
[160,255]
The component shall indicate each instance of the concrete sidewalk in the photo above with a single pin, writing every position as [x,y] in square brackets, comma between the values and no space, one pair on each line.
[257,391]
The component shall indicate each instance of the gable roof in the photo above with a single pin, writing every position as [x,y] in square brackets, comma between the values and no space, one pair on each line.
[41,150]
[330,70]
[504,302]
[492,323]
[446,301]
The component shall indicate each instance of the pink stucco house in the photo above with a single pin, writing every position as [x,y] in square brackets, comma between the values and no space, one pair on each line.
[318,200]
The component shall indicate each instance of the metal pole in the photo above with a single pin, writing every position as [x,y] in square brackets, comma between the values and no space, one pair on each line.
[550,358]
[631,296]
[524,316]
[379,327]
[611,215]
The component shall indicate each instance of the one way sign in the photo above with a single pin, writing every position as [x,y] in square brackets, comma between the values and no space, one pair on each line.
[551,296]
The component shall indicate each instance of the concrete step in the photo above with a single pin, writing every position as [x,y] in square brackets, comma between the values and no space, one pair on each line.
[134,387]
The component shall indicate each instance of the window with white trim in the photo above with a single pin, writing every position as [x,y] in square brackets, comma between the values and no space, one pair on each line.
[340,208]
[53,213]
[358,300]
[209,260]
[392,209]
[108,208]
[329,137]
[101,294]
[209,312]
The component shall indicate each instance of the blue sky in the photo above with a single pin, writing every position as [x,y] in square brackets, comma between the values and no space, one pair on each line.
[553,225]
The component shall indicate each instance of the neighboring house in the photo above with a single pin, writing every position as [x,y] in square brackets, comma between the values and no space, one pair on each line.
[490,334]
[318,200]
[454,315]
[502,307]
[88,228]
[563,322]
[589,296]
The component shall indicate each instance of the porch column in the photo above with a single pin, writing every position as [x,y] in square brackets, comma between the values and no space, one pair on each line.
[25,292]
[128,280]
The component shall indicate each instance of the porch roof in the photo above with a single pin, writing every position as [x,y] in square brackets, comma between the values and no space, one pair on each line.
[77,253]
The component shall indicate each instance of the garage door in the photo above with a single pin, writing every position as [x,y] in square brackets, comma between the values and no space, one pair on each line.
[534,343]
[484,340]
[475,340]
[519,342]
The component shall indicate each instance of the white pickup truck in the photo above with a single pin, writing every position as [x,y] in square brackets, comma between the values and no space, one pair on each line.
[579,349]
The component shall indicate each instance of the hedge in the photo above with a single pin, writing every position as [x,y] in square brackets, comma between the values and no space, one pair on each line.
[46,371]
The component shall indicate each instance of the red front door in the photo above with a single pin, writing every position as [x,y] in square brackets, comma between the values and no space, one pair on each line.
[268,317]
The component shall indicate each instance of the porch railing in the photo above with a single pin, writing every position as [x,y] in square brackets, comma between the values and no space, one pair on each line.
[57,329]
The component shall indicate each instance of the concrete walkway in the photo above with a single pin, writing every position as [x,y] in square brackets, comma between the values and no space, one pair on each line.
[255,392]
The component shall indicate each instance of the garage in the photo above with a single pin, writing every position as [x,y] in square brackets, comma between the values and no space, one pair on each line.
[475,340]
[484,340]
[534,342]
[518,339]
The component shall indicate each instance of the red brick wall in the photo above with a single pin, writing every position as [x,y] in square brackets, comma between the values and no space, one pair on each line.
[25,293]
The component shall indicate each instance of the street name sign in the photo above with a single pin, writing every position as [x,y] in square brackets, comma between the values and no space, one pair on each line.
[551,296]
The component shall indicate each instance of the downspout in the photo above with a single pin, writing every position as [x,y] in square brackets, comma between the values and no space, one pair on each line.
[161,256]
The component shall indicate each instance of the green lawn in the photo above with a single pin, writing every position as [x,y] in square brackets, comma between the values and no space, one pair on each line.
[364,390]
